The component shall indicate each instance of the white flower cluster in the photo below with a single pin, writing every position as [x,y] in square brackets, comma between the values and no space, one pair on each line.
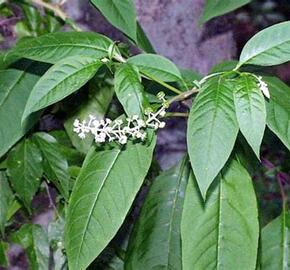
[263,87]
[119,130]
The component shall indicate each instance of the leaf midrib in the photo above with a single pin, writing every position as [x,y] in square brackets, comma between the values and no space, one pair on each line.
[180,176]
[262,52]
[95,63]
[94,204]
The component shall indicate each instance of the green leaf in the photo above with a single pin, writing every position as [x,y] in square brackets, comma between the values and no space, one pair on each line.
[214,8]
[102,196]
[156,66]
[33,238]
[142,40]
[97,103]
[156,240]
[278,109]
[54,47]
[55,165]
[61,80]
[15,87]
[223,232]
[6,198]
[276,243]
[25,169]
[129,90]
[3,254]
[212,130]
[250,110]
[120,14]
[268,47]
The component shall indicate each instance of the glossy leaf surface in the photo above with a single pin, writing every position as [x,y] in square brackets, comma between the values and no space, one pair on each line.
[276,243]
[129,90]
[54,47]
[268,47]
[214,8]
[156,240]
[250,111]
[212,130]
[223,232]
[15,88]
[55,165]
[61,80]
[25,169]
[102,196]
[120,14]
[156,66]
[278,109]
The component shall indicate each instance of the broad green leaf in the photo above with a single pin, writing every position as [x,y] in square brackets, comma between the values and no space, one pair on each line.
[33,238]
[6,198]
[212,130]
[120,14]
[129,90]
[61,80]
[278,109]
[214,8]
[3,254]
[102,196]
[223,232]
[250,110]
[55,165]
[156,240]
[268,47]
[276,244]
[15,88]
[97,103]
[52,48]
[25,169]
[156,66]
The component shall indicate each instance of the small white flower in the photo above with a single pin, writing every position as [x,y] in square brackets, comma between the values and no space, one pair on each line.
[123,140]
[162,113]
[263,87]
[161,124]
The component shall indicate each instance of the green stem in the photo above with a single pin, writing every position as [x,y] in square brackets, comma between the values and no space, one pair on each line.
[183,95]
[168,86]
[176,114]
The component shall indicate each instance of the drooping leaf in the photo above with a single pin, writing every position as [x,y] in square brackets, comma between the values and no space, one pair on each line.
[156,240]
[102,196]
[55,165]
[33,238]
[156,66]
[61,80]
[212,130]
[97,104]
[120,14]
[250,110]
[223,232]
[276,243]
[54,47]
[278,109]
[268,47]
[6,198]
[15,88]
[25,168]
[129,90]
[214,8]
